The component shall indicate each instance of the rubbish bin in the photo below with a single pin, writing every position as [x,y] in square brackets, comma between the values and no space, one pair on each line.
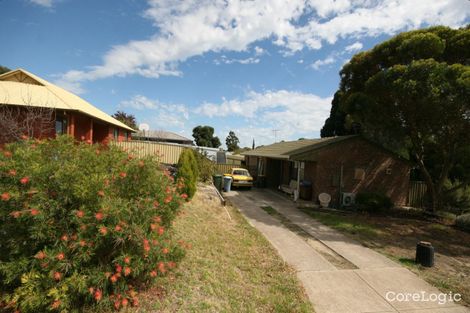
[306,190]
[227,183]
[261,181]
[217,182]
[425,254]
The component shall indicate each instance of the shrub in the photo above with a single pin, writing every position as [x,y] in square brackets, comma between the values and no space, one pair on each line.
[186,176]
[81,225]
[373,202]
[206,167]
[463,222]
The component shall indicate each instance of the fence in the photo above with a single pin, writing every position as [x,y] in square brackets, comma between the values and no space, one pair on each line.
[225,168]
[417,194]
[167,152]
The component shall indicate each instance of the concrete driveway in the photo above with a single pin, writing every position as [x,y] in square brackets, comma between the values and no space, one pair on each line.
[370,283]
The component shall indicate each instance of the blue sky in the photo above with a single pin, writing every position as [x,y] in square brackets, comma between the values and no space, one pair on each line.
[247,66]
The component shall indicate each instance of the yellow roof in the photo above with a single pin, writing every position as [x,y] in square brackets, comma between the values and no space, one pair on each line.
[19,87]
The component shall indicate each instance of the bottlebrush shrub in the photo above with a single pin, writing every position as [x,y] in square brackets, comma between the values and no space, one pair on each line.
[82,225]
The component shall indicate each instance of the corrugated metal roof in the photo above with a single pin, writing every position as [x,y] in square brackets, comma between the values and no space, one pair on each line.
[32,90]
[287,149]
[161,134]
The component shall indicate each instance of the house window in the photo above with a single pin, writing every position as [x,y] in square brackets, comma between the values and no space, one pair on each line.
[60,124]
[116,133]
[127,135]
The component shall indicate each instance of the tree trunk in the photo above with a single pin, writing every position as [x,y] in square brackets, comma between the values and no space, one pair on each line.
[429,184]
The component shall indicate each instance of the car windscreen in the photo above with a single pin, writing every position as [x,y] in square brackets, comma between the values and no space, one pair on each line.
[239,172]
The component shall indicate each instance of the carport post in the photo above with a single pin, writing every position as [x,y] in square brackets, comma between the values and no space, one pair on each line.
[296,194]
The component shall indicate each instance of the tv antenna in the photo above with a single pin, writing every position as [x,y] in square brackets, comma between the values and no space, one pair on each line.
[275,131]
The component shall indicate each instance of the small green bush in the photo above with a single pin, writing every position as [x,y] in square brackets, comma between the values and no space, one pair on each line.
[187,179]
[463,222]
[373,202]
[206,167]
[81,225]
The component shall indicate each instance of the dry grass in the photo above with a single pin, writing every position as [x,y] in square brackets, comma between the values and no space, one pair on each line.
[230,268]
[397,237]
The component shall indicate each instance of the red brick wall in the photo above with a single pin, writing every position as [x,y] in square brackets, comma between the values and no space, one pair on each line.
[383,172]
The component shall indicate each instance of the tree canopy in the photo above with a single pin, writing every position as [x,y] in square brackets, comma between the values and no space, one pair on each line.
[128,119]
[410,94]
[232,141]
[4,69]
[204,137]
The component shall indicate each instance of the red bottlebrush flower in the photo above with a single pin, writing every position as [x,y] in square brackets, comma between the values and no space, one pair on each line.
[157,219]
[40,255]
[167,190]
[127,271]
[103,230]
[34,212]
[113,279]
[118,228]
[124,302]
[7,154]
[135,302]
[141,163]
[82,138]
[12,172]
[98,295]
[168,199]
[57,276]
[171,264]
[91,290]
[153,226]
[64,237]
[55,304]
[24,180]
[117,304]
[184,196]
[44,265]
[161,267]
[15,214]
[153,273]
[80,214]
[127,260]
[122,175]
[82,243]
[156,204]
[118,268]
[101,193]
[73,237]
[24,137]
[60,256]
[5,196]
[99,216]
[165,250]
[161,230]
[89,142]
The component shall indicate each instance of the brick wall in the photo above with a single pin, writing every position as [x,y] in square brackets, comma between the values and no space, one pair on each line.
[382,172]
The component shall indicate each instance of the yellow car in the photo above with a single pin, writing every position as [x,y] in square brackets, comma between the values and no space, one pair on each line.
[241,178]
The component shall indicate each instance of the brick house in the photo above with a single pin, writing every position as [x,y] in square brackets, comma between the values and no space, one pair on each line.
[336,165]
[70,114]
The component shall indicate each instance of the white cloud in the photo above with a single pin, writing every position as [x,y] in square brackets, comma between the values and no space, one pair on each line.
[320,63]
[294,113]
[194,27]
[166,115]
[44,3]
[225,60]
[354,47]
[259,51]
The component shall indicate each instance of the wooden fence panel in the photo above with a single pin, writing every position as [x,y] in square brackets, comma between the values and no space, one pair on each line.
[225,168]
[417,194]
[167,153]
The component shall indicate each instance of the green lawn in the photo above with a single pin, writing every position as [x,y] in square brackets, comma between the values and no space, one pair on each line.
[230,268]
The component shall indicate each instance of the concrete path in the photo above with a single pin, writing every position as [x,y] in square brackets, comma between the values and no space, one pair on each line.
[375,286]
